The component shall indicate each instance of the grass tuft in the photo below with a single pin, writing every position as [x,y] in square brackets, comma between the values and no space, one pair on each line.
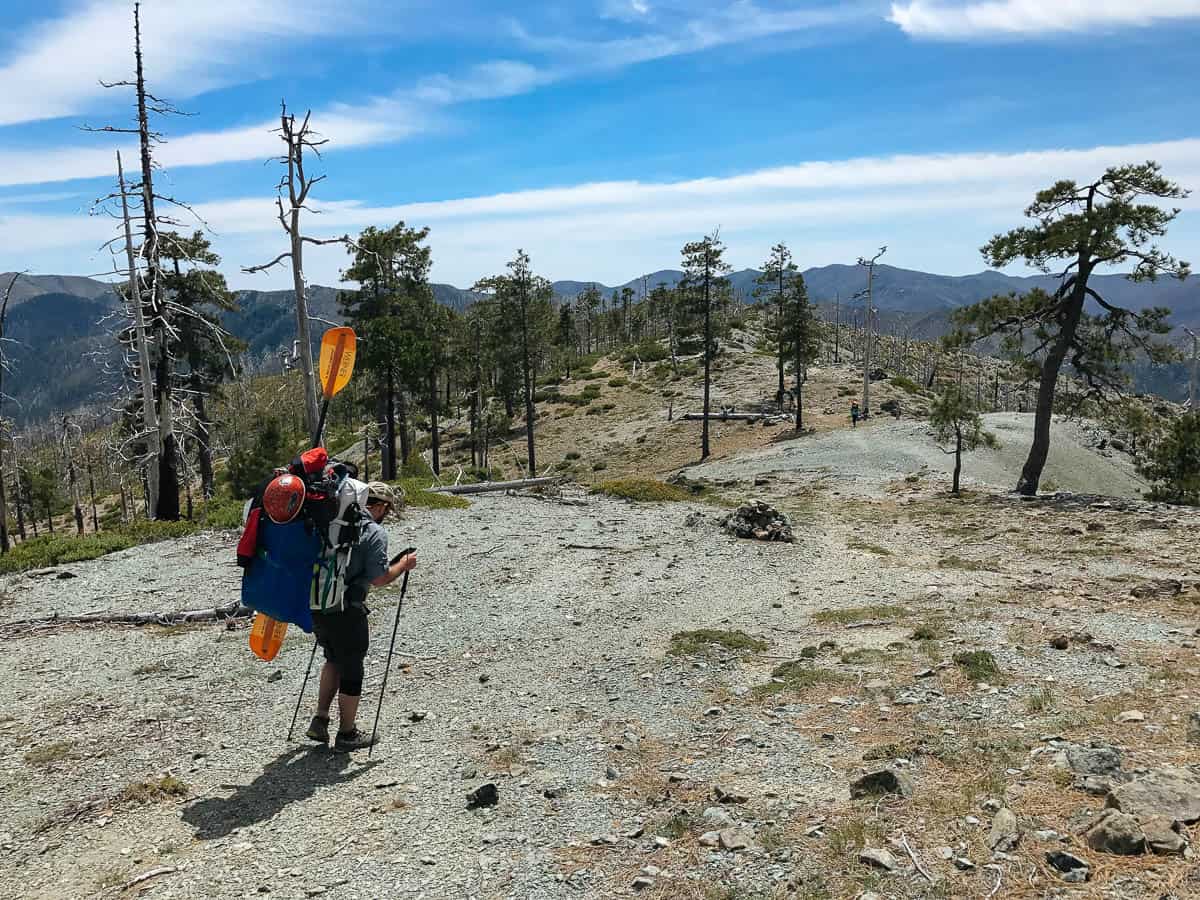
[858,614]
[50,753]
[166,788]
[703,640]
[795,676]
[978,665]
[642,490]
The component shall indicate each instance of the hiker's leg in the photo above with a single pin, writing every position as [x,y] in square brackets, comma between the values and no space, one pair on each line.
[347,711]
[357,638]
[329,686]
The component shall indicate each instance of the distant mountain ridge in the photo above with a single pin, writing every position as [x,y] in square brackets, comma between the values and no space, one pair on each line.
[65,355]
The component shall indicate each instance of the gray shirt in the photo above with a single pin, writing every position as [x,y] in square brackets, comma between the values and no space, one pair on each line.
[368,559]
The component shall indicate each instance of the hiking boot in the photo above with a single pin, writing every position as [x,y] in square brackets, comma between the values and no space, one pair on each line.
[319,730]
[352,740]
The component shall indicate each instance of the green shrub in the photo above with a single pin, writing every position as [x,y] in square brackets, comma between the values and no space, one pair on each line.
[416,467]
[592,376]
[906,384]
[251,463]
[648,351]
[599,466]
[1173,467]
[573,454]
[594,410]
[619,381]
[642,490]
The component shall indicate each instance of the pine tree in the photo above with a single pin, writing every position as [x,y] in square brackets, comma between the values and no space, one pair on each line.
[800,332]
[773,283]
[955,419]
[1086,227]
[703,268]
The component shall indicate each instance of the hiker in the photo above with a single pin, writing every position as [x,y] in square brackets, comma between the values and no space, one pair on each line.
[343,635]
[855,414]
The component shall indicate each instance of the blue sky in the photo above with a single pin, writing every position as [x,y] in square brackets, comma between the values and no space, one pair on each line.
[599,135]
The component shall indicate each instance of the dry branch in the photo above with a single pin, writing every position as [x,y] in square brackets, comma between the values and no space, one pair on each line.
[487,487]
[232,610]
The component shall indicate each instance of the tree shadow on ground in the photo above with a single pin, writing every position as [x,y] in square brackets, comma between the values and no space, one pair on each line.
[293,776]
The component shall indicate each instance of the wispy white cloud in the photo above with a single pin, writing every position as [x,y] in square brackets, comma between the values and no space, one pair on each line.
[190,47]
[396,116]
[1018,18]
[346,127]
[934,211]
[731,23]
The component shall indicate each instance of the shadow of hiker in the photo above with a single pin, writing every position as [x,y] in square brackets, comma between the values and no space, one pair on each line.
[292,776]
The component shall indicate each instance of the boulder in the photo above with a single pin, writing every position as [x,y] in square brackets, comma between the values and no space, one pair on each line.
[1118,833]
[885,781]
[1193,728]
[1169,792]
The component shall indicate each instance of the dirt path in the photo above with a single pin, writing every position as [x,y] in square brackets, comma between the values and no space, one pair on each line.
[543,666]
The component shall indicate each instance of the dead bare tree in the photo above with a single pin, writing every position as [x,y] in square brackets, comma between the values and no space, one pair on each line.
[69,430]
[294,187]
[150,291]
[3,367]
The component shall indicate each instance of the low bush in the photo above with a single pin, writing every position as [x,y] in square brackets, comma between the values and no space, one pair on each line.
[906,384]
[619,381]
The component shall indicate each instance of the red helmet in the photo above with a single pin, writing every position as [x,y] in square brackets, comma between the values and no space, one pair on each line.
[283,498]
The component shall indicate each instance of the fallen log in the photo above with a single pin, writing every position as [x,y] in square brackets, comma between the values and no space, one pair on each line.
[486,487]
[231,610]
[729,417]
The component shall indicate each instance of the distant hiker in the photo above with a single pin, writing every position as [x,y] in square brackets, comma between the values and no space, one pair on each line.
[855,414]
[343,635]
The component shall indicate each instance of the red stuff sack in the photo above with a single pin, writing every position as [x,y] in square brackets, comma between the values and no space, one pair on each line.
[310,464]
[247,547]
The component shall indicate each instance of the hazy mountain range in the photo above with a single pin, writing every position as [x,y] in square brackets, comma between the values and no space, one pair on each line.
[63,354]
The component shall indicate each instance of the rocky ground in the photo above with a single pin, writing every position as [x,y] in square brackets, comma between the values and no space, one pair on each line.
[663,708]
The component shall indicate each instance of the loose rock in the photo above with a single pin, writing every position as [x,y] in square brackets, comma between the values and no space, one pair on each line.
[1005,833]
[484,795]
[1118,833]
[885,781]
[1073,869]
[878,859]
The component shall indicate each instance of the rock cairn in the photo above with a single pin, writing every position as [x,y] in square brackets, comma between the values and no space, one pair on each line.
[758,521]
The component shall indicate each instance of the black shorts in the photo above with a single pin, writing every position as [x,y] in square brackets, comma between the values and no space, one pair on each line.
[344,636]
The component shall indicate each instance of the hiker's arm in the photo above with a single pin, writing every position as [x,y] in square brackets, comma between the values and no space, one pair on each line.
[405,564]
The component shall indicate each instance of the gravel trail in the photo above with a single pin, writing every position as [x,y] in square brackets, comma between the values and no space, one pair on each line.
[535,637]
